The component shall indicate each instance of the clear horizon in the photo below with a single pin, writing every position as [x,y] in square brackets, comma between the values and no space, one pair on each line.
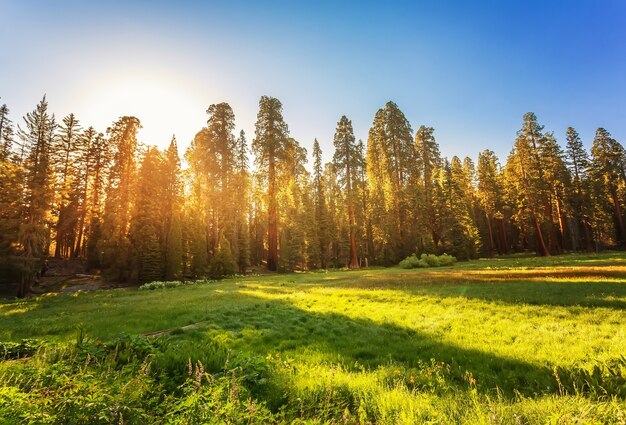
[468,70]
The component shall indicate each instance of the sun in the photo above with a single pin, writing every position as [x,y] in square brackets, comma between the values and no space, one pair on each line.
[164,103]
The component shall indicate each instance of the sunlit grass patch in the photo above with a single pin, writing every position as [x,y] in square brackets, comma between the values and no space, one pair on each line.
[490,341]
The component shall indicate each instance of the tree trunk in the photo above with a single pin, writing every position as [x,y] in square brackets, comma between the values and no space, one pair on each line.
[354,261]
[588,235]
[272,219]
[560,211]
[505,242]
[79,239]
[25,287]
[619,220]
[541,245]
[490,233]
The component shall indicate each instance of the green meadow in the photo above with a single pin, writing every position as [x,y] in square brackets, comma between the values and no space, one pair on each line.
[514,340]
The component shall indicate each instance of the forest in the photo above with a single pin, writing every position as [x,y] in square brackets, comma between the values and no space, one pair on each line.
[233,203]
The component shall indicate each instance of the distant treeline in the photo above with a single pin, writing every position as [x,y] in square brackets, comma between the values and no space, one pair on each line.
[129,210]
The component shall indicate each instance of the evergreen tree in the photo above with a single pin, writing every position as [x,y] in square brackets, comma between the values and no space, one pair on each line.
[608,176]
[555,172]
[99,160]
[319,232]
[460,237]
[242,204]
[580,200]
[149,217]
[428,163]
[172,204]
[79,190]
[115,248]
[64,157]
[338,248]
[6,133]
[34,234]
[148,255]
[526,180]
[11,187]
[391,162]
[222,158]
[489,194]
[346,163]
[270,147]
[293,179]
[362,215]
[213,162]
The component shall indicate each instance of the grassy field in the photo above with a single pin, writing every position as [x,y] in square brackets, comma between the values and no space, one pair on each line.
[515,340]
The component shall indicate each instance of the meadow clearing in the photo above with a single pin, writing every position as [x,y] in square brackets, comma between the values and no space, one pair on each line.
[511,340]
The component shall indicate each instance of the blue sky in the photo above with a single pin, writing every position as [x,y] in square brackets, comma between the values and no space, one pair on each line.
[468,69]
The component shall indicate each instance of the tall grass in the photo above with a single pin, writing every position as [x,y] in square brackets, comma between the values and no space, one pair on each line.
[518,340]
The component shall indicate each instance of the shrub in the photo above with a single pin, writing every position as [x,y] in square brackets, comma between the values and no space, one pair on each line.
[160,285]
[427,260]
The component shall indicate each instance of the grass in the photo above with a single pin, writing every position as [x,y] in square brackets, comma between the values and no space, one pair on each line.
[513,340]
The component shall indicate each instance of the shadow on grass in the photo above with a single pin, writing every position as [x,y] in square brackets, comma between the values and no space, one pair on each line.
[264,327]
[593,287]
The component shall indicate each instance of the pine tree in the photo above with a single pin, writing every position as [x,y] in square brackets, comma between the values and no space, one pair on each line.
[64,159]
[242,204]
[79,190]
[460,236]
[428,164]
[362,215]
[6,133]
[11,187]
[391,174]
[115,248]
[37,138]
[555,172]
[149,218]
[346,163]
[608,176]
[172,204]
[199,208]
[526,181]
[99,157]
[292,179]
[319,232]
[257,218]
[222,151]
[580,200]
[148,255]
[489,193]
[338,248]
[270,147]
[212,157]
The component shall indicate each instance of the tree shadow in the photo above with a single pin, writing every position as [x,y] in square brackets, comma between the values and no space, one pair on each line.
[583,288]
[262,326]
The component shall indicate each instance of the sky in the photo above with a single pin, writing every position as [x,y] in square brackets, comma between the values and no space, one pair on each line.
[469,69]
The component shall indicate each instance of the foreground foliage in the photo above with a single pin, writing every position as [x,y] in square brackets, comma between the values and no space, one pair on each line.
[523,340]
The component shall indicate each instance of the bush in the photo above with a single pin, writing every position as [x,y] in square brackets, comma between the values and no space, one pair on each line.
[427,260]
[160,285]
